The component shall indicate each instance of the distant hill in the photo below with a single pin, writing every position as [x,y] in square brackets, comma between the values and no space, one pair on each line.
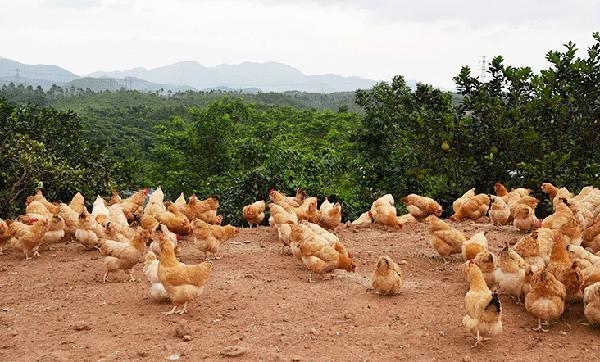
[247,77]
[271,76]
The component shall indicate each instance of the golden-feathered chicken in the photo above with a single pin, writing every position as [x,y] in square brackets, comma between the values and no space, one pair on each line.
[484,312]
[331,214]
[565,221]
[510,274]
[566,271]
[546,299]
[470,207]
[420,207]
[86,232]
[56,230]
[27,238]
[555,193]
[499,211]
[77,204]
[4,235]
[124,256]
[591,304]
[174,219]
[384,212]
[365,218]
[39,196]
[387,278]
[182,282]
[133,205]
[475,245]
[156,292]
[524,218]
[279,198]
[487,263]
[209,237]
[100,211]
[443,238]
[320,256]
[529,249]
[255,213]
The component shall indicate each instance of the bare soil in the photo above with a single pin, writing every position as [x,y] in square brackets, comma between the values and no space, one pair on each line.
[55,308]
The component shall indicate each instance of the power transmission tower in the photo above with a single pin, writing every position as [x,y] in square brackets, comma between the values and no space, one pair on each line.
[483,74]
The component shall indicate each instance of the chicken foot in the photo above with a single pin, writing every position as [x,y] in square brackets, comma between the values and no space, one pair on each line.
[540,328]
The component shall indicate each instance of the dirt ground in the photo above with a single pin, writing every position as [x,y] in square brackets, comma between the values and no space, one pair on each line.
[55,308]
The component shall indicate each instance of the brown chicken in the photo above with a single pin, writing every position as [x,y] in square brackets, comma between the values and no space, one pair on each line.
[77,204]
[487,263]
[39,196]
[86,231]
[555,193]
[591,304]
[546,299]
[473,246]
[320,256]
[133,205]
[565,221]
[384,212]
[210,237]
[4,235]
[308,210]
[420,207]
[387,278]
[124,256]
[529,249]
[566,271]
[28,238]
[510,274]
[255,213]
[444,239]
[174,219]
[524,218]
[470,207]
[295,201]
[484,312]
[205,210]
[38,209]
[331,214]
[182,282]
[499,211]
[366,218]
[591,235]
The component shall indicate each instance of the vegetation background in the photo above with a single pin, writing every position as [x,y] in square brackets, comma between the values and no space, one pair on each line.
[520,128]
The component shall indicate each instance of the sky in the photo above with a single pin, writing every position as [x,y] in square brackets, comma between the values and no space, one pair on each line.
[424,40]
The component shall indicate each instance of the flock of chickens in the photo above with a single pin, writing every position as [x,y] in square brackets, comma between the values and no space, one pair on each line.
[551,265]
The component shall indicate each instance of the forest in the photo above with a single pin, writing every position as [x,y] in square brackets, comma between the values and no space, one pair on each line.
[520,127]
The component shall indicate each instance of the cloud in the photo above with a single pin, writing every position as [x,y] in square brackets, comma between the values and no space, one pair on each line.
[74,4]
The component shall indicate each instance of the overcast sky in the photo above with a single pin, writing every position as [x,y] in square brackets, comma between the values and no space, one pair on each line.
[423,40]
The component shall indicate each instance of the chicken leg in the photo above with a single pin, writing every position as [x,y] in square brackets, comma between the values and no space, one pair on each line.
[540,328]
[172,311]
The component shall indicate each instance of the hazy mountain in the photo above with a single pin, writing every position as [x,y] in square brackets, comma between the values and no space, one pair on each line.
[10,69]
[269,76]
[188,75]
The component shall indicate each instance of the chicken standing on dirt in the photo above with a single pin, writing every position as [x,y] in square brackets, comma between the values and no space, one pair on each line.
[475,245]
[386,278]
[444,239]
[499,211]
[484,312]
[209,237]
[546,300]
[124,256]
[254,213]
[331,214]
[591,303]
[4,235]
[470,206]
[157,291]
[524,218]
[182,282]
[28,238]
[384,212]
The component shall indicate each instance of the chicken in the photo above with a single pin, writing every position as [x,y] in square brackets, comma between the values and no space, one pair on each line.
[484,312]
[155,244]
[37,208]
[546,299]
[476,244]
[52,208]
[591,304]
[210,237]
[529,249]
[182,282]
[366,218]
[100,211]
[331,214]
[510,274]
[4,235]
[566,271]
[545,238]
[77,204]
[384,212]
[591,235]
[524,218]
[28,238]
[578,252]
[420,207]
[203,210]
[282,219]
[56,230]
[321,257]
[156,292]
[180,201]
[555,193]
[406,219]
[308,210]
[115,198]
[487,263]
[254,213]
[499,211]
[321,232]
[472,207]
[295,201]
[565,221]
[124,256]
[155,203]
[444,239]
[71,218]
[174,219]
[387,278]
[116,215]
[85,232]
[133,204]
